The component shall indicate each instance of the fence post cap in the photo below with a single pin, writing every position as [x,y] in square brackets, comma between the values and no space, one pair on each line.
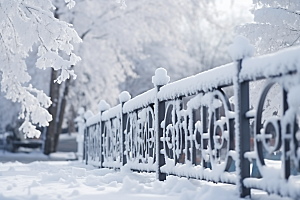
[103,105]
[124,96]
[88,114]
[160,77]
[240,48]
[80,111]
[80,117]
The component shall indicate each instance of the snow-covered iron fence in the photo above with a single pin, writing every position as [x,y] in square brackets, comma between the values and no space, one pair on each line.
[192,128]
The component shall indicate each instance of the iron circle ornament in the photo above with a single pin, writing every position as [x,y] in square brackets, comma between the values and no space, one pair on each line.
[271,134]
[145,135]
[149,132]
[221,130]
[267,136]
[168,131]
[198,135]
[174,131]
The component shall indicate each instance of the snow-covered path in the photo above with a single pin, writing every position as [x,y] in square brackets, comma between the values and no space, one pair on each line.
[74,180]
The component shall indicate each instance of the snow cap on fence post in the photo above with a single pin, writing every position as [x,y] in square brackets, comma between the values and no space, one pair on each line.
[80,118]
[160,77]
[103,105]
[240,48]
[80,111]
[88,114]
[124,96]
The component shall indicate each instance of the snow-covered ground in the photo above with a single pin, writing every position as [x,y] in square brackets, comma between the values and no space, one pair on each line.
[75,180]
[29,156]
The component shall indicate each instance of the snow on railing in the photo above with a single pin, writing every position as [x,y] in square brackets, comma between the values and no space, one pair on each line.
[189,128]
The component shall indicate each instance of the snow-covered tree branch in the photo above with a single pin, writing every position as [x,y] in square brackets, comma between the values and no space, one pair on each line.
[275,25]
[24,23]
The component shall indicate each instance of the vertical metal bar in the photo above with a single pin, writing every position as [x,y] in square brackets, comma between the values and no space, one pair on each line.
[123,128]
[177,134]
[152,126]
[160,112]
[101,140]
[204,143]
[99,143]
[286,143]
[191,142]
[135,135]
[86,145]
[244,133]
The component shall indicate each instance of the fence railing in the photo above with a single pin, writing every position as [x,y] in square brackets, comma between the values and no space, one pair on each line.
[192,128]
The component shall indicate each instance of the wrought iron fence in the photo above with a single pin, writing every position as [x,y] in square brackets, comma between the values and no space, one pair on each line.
[193,128]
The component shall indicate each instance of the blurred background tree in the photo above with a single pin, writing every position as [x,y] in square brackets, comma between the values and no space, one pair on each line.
[121,48]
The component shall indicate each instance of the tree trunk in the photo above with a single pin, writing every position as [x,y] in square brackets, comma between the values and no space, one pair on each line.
[50,133]
[61,113]
[71,122]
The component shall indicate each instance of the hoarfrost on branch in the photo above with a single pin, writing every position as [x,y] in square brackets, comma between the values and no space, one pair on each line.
[22,25]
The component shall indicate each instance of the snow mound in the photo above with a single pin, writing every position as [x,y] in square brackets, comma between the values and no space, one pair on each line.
[81,111]
[161,77]
[88,114]
[76,171]
[75,193]
[124,96]
[34,183]
[92,180]
[130,185]
[103,105]
[241,48]
[9,187]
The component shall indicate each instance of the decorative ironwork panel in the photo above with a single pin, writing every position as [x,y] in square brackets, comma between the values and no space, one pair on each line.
[140,139]
[200,137]
[93,140]
[112,143]
[276,144]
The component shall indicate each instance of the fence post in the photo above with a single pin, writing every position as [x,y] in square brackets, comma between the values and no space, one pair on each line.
[286,165]
[103,106]
[244,133]
[80,136]
[240,49]
[123,97]
[86,115]
[160,79]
